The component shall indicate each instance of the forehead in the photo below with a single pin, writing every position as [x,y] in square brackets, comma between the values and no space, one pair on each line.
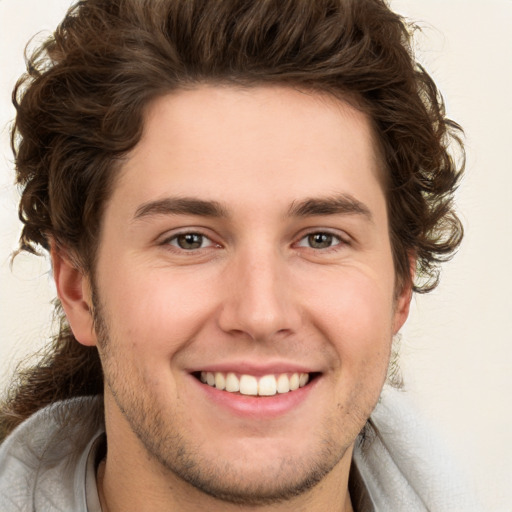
[268,145]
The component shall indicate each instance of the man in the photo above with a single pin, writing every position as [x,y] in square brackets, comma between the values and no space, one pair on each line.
[239,198]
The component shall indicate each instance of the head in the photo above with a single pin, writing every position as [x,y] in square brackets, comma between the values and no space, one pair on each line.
[121,81]
[86,109]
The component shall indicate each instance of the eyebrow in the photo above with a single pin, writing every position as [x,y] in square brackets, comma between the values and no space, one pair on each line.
[339,204]
[335,205]
[181,206]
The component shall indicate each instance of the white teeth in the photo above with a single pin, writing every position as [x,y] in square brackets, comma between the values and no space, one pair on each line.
[220,381]
[210,379]
[232,383]
[283,383]
[303,379]
[294,382]
[268,385]
[248,385]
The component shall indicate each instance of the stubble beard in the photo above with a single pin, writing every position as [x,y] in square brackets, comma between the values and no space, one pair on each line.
[163,440]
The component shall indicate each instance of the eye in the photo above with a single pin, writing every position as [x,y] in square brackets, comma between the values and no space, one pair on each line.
[320,240]
[190,241]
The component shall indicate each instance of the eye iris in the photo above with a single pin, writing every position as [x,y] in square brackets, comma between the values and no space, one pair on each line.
[320,240]
[190,241]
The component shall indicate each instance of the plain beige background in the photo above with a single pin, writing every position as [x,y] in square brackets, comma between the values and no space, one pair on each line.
[457,345]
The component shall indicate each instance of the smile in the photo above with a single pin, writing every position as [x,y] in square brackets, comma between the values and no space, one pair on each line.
[267,385]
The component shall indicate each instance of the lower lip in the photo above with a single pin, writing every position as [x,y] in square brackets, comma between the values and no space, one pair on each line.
[261,407]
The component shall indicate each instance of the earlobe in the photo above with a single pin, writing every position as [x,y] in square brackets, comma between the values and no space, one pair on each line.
[402,306]
[403,300]
[74,291]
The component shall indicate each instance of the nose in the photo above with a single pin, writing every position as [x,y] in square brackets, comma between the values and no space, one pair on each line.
[259,299]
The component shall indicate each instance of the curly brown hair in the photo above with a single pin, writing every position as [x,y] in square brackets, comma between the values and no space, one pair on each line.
[80,109]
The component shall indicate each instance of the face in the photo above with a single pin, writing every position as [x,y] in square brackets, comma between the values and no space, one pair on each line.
[245,294]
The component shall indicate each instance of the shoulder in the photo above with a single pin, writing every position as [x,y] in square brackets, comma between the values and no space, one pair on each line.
[44,459]
[405,465]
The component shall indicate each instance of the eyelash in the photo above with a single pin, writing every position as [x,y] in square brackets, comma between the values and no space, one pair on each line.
[331,236]
[175,238]
[173,241]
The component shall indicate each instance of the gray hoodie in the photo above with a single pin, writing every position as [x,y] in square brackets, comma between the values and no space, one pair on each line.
[48,463]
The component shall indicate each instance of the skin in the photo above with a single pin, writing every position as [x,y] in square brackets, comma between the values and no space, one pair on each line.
[258,291]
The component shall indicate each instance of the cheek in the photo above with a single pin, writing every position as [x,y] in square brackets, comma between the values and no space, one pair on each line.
[156,312]
[152,308]
[356,316]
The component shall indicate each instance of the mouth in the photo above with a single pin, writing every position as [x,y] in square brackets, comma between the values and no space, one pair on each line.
[251,385]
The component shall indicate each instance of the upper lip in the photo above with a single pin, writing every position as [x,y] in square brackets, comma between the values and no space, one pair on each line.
[258,370]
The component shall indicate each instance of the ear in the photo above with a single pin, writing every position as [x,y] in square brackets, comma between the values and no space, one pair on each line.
[75,294]
[403,300]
